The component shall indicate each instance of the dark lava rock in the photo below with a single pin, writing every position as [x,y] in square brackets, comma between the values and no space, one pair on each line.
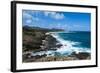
[51,42]
[81,55]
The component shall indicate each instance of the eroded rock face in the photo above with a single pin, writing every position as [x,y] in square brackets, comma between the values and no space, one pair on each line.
[50,43]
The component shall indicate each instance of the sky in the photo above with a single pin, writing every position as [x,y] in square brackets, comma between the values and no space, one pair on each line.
[69,21]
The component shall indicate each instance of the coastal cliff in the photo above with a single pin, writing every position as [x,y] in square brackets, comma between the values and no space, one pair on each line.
[37,44]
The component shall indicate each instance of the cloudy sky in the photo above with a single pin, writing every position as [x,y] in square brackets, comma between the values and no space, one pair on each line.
[69,21]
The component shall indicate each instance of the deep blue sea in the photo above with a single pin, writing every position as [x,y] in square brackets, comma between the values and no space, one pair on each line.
[83,38]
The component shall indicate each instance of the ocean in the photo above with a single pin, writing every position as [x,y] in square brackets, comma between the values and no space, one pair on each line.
[75,41]
[83,38]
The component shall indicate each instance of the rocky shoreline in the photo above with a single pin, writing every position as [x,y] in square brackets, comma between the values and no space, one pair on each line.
[50,43]
[45,58]
[37,43]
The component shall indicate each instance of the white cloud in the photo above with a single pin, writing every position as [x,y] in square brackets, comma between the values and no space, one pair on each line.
[29,17]
[54,15]
[28,21]
[26,15]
